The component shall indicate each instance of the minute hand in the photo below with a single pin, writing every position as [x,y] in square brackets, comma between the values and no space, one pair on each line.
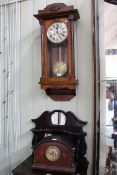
[59,34]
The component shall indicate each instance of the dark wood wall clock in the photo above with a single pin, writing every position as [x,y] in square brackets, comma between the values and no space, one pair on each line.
[59,145]
[58,71]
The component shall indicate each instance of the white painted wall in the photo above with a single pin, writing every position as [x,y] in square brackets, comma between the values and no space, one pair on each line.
[33,100]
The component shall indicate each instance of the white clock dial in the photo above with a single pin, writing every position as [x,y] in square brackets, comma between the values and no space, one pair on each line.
[57,32]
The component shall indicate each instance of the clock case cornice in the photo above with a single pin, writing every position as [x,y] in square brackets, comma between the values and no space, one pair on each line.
[57,10]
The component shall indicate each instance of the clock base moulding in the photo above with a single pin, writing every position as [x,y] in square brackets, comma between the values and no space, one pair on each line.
[61,94]
[59,90]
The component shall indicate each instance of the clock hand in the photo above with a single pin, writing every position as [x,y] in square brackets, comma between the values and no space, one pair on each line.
[57,27]
[59,35]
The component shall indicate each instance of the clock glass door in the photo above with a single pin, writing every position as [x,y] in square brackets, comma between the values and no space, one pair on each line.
[57,63]
[107,122]
[57,49]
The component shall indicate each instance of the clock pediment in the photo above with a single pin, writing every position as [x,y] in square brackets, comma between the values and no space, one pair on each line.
[57,10]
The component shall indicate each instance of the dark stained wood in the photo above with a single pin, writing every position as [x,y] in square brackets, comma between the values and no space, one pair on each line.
[61,165]
[57,10]
[95,71]
[111,1]
[72,125]
[25,168]
[61,88]
[59,94]
[69,138]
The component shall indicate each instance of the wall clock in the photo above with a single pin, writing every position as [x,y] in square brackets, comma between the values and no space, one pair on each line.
[59,147]
[58,70]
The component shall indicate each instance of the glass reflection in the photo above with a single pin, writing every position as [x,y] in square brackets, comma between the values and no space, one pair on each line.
[108,95]
[58,118]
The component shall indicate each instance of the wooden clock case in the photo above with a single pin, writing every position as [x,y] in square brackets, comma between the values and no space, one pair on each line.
[58,88]
[68,138]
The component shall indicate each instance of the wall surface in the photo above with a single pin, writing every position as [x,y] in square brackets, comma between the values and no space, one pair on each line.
[33,100]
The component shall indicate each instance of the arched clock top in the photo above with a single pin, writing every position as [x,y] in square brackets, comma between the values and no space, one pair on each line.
[70,123]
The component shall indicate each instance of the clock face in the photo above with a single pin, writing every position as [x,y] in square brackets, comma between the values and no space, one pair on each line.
[57,32]
[52,153]
[59,68]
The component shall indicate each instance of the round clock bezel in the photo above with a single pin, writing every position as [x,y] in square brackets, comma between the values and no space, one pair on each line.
[62,38]
[56,149]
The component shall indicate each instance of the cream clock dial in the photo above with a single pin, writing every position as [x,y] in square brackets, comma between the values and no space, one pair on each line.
[52,153]
[57,32]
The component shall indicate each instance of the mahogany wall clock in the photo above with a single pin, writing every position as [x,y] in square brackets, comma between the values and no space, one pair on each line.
[58,71]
